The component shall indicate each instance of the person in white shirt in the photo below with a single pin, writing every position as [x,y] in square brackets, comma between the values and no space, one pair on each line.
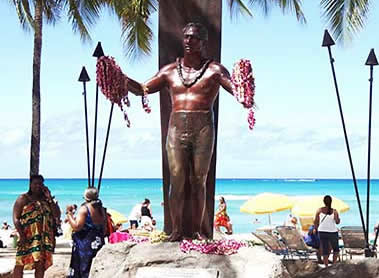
[135,216]
[326,221]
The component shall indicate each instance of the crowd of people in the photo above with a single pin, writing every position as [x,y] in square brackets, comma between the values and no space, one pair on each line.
[36,217]
[37,223]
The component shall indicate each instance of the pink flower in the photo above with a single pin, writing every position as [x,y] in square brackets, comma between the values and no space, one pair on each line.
[218,247]
[244,87]
[114,85]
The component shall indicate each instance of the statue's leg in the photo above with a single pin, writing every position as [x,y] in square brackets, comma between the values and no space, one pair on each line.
[202,155]
[178,157]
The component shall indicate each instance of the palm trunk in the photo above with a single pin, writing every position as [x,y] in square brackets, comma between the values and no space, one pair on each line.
[36,99]
[173,16]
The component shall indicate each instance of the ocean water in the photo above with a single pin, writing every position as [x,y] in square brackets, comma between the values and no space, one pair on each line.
[123,194]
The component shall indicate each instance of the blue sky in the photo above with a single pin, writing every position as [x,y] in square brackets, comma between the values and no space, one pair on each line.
[298,131]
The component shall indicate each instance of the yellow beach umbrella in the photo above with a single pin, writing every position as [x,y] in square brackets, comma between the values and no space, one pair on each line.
[267,203]
[308,205]
[117,217]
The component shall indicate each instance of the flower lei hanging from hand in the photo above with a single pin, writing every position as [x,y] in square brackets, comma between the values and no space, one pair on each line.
[113,84]
[244,87]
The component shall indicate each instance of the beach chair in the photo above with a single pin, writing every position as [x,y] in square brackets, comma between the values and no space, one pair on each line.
[295,242]
[272,244]
[354,242]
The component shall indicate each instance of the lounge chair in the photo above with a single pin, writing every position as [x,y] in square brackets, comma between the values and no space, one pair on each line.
[295,242]
[354,242]
[272,244]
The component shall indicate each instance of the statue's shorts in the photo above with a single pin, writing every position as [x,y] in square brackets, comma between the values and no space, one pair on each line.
[190,138]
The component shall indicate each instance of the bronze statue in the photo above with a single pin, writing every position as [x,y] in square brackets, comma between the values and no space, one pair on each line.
[193,82]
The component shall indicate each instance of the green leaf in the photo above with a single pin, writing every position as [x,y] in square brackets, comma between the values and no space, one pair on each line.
[345,17]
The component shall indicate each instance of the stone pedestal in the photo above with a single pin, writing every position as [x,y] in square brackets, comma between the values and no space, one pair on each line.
[124,259]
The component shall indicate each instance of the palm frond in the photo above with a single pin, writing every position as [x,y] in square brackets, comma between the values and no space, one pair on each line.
[24,14]
[237,7]
[264,5]
[52,11]
[345,17]
[83,14]
[287,6]
[135,25]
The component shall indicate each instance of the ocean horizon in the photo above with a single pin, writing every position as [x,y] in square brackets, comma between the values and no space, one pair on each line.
[123,193]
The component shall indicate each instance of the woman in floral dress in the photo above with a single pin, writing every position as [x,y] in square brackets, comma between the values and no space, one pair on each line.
[89,230]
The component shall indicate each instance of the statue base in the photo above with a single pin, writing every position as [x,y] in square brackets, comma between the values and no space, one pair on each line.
[130,260]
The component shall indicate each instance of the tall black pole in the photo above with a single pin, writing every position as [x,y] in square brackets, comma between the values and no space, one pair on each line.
[105,148]
[371,61]
[94,137]
[85,78]
[328,42]
[97,53]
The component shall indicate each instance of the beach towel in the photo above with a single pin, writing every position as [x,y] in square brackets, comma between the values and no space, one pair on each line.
[118,237]
[37,223]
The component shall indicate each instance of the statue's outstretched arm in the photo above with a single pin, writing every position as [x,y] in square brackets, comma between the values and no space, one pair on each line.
[225,80]
[153,85]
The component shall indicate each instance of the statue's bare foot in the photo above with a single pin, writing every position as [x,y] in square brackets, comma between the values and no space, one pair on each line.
[175,237]
[199,236]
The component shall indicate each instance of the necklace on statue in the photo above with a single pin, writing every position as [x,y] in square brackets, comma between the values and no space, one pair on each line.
[189,82]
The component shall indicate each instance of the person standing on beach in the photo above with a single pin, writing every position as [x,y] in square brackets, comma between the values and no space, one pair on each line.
[194,82]
[146,214]
[135,216]
[326,221]
[5,226]
[222,218]
[34,216]
[90,228]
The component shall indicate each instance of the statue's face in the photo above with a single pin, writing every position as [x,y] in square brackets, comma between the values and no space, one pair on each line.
[192,42]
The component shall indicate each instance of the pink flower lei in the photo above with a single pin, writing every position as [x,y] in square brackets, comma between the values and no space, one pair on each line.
[217,247]
[113,84]
[244,87]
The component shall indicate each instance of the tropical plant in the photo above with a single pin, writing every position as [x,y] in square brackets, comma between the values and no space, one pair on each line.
[136,24]
[32,15]
[345,17]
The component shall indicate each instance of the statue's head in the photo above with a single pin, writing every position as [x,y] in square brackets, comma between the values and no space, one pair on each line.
[195,37]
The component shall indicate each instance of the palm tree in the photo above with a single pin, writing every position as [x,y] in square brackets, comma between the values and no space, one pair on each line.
[32,14]
[173,16]
[345,17]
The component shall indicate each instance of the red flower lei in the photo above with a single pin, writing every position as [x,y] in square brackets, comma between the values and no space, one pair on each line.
[244,87]
[113,84]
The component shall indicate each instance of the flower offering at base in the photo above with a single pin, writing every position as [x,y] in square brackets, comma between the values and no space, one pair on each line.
[217,247]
